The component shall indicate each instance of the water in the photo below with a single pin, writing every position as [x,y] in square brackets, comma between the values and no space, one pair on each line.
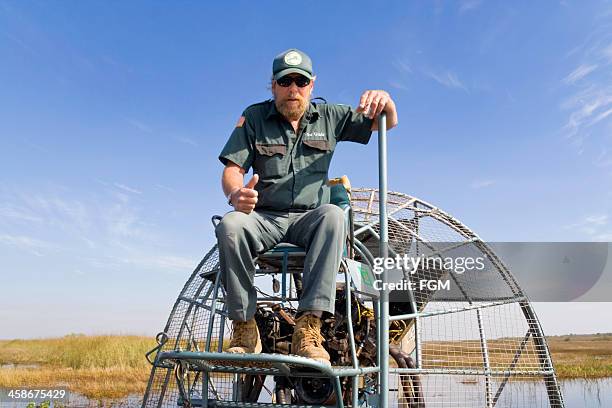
[576,393]
[19,365]
[79,401]
[587,393]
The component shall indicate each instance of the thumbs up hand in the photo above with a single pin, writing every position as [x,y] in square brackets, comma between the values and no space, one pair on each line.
[244,199]
[251,184]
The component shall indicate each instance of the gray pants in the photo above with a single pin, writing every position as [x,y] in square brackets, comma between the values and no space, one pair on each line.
[241,237]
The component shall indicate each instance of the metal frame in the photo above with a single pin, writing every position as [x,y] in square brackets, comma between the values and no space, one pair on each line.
[202,292]
[383,326]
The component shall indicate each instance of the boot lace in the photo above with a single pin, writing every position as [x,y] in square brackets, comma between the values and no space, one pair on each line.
[311,333]
[240,329]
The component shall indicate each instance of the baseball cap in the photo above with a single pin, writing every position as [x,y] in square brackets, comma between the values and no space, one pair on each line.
[290,62]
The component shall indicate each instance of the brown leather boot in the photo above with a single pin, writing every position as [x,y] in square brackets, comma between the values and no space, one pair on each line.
[307,340]
[245,338]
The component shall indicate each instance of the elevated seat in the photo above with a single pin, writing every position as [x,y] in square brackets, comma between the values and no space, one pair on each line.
[285,258]
[282,257]
[339,196]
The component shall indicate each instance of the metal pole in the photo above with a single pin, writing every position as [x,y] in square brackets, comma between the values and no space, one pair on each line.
[383,343]
[351,336]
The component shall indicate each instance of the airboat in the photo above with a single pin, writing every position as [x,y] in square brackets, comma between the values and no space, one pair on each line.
[474,341]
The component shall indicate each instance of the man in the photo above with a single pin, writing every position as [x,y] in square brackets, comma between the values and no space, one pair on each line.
[289,142]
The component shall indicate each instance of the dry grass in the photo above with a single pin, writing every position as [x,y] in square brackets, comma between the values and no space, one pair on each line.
[94,383]
[582,356]
[102,367]
[95,366]
[574,356]
[78,351]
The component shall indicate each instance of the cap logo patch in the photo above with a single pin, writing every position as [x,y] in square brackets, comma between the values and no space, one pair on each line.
[293,58]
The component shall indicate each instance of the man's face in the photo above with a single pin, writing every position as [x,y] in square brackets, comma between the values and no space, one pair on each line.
[292,101]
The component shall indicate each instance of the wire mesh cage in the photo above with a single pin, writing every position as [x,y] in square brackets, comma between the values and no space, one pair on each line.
[474,343]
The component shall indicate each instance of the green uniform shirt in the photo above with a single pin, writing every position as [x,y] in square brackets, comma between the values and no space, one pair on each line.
[292,168]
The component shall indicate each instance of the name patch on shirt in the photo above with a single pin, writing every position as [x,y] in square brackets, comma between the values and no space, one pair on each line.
[318,135]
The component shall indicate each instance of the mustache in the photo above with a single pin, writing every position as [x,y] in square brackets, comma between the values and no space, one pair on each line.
[295,97]
[292,112]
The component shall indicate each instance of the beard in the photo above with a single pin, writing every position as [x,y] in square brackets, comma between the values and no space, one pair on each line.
[292,107]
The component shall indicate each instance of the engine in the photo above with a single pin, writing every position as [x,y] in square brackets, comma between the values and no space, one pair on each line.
[276,323]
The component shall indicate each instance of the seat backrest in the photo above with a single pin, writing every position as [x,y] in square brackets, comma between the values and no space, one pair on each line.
[339,196]
[339,192]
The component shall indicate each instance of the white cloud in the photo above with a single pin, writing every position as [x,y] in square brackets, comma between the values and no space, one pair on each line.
[600,117]
[22,44]
[90,244]
[398,85]
[74,211]
[604,159]
[402,66]
[605,237]
[477,184]
[8,211]
[37,147]
[448,79]
[32,245]
[594,226]
[89,222]
[56,211]
[578,141]
[579,73]
[143,127]
[104,263]
[606,52]
[109,230]
[116,64]
[127,188]
[601,219]
[590,104]
[467,5]
[187,141]
[588,107]
[123,222]
[162,262]
[165,188]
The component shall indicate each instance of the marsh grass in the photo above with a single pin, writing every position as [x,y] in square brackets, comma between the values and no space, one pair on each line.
[103,367]
[95,366]
[574,356]
[93,383]
[582,356]
[78,351]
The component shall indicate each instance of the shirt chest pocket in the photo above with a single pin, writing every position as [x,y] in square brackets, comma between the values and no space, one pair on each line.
[317,154]
[270,160]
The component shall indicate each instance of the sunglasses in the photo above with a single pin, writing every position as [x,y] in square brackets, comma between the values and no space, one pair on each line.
[286,81]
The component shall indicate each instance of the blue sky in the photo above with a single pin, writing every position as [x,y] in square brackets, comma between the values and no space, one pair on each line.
[112,115]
